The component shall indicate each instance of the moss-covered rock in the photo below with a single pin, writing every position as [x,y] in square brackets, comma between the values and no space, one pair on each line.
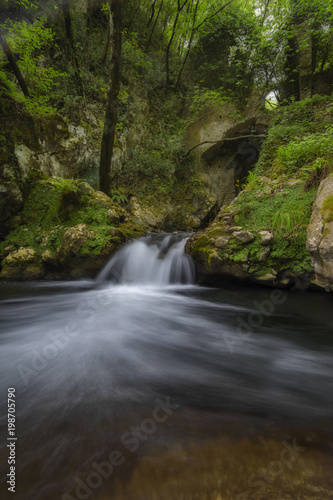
[72,231]
[23,264]
[320,235]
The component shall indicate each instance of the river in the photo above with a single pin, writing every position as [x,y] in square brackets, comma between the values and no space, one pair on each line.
[143,385]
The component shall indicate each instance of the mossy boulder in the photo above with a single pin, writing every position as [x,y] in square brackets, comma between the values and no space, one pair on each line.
[72,256]
[244,242]
[73,231]
[23,264]
[320,235]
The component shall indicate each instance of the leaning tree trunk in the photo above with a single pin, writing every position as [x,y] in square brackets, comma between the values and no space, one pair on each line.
[111,114]
[13,64]
[70,38]
[104,54]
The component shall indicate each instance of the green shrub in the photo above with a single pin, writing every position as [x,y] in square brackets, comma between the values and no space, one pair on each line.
[119,196]
[31,41]
[300,152]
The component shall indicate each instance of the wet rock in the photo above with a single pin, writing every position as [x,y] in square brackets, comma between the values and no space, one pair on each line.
[233,229]
[320,235]
[103,199]
[50,259]
[24,264]
[264,254]
[76,253]
[85,189]
[113,216]
[72,243]
[222,242]
[267,278]
[193,222]
[146,217]
[266,237]
[243,236]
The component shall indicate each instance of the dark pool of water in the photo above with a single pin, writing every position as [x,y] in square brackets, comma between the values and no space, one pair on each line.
[186,364]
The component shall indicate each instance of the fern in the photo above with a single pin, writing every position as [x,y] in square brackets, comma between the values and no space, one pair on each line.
[287,222]
[119,196]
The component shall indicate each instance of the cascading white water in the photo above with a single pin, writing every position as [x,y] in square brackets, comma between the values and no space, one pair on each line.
[157,259]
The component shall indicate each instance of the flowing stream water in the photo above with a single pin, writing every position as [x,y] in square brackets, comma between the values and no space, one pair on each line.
[143,385]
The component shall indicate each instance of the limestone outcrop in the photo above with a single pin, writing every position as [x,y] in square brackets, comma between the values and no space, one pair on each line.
[320,235]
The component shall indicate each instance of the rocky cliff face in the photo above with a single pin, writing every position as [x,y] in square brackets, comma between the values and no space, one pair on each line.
[227,144]
[27,145]
[278,231]
[320,235]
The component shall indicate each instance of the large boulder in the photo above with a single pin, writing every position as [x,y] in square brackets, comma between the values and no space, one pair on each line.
[320,235]
[84,251]
[23,264]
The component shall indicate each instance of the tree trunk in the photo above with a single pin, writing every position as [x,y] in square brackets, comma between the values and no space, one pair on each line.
[174,27]
[11,59]
[103,57]
[152,13]
[111,114]
[88,28]
[67,19]
[304,40]
[154,25]
[194,29]
[189,44]
[70,38]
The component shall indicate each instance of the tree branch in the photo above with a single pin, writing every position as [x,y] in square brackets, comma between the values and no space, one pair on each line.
[213,15]
[221,141]
[12,61]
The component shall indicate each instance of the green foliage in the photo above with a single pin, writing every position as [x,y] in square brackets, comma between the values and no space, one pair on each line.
[307,121]
[119,196]
[222,56]
[284,209]
[137,60]
[252,180]
[149,163]
[30,42]
[25,3]
[303,151]
[64,185]
[286,222]
[201,99]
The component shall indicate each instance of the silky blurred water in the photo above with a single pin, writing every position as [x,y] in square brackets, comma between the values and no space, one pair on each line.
[89,359]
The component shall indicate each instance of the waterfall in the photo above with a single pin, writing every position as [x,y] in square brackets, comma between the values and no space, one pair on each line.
[156,259]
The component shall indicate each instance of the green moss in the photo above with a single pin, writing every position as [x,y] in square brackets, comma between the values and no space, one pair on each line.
[294,124]
[100,243]
[328,209]
[203,250]
[55,205]
[44,206]
[256,212]
[216,232]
